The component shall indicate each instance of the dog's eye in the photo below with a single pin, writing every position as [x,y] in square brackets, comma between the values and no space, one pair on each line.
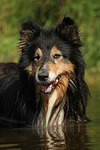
[57,56]
[36,57]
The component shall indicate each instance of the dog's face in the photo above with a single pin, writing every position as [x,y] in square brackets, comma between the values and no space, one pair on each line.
[50,67]
[47,52]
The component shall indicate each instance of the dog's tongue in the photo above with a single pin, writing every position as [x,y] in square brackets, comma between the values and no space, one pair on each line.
[47,88]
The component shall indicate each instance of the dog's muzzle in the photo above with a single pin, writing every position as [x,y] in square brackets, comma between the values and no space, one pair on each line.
[47,80]
[43,76]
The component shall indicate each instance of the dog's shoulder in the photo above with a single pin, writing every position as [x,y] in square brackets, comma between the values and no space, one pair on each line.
[8,81]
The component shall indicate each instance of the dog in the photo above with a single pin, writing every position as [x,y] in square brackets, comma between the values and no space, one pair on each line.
[49,88]
[7,68]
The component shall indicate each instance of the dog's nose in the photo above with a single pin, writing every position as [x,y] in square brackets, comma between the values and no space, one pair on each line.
[43,76]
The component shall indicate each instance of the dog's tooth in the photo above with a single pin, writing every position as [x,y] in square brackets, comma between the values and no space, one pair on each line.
[50,85]
[56,81]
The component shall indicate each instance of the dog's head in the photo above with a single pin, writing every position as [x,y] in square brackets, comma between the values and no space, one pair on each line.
[46,54]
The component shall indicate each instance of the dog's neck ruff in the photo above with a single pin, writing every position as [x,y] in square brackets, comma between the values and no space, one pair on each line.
[56,117]
[51,112]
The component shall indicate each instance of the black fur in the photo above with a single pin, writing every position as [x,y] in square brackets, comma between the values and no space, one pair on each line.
[7,68]
[18,104]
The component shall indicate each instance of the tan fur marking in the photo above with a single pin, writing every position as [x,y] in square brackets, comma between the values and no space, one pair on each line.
[61,67]
[39,52]
[29,69]
[62,87]
[54,50]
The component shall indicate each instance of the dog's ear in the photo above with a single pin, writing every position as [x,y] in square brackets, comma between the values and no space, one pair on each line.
[68,30]
[28,32]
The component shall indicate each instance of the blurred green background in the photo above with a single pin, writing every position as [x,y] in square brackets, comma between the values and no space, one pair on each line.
[47,13]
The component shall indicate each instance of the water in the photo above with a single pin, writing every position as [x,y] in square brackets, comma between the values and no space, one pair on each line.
[69,137]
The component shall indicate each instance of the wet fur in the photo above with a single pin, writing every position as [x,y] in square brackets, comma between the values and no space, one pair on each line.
[7,68]
[21,101]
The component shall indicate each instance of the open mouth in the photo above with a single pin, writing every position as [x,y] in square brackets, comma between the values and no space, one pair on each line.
[47,88]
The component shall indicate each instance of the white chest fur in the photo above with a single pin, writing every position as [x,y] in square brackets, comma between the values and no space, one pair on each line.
[58,116]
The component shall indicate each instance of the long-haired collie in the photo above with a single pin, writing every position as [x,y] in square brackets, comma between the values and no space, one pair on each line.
[49,88]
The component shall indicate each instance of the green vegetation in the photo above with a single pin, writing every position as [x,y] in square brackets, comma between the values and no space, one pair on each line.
[47,13]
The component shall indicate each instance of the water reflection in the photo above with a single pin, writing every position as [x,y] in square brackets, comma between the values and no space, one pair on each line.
[71,137]
[68,137]
[61,138]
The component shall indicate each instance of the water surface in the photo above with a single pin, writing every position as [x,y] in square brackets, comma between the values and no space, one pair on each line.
[69,137]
